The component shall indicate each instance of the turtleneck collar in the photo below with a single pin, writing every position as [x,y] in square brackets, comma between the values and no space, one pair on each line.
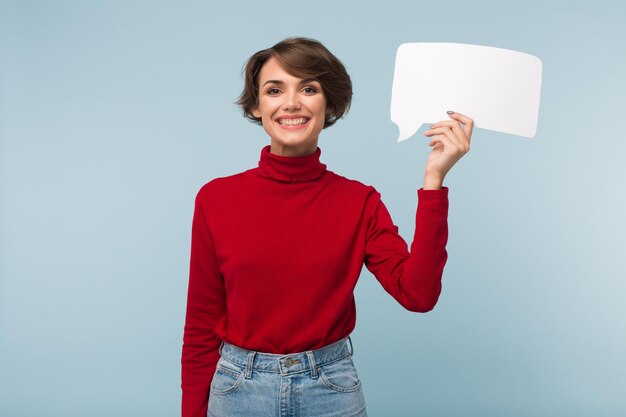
[291,168]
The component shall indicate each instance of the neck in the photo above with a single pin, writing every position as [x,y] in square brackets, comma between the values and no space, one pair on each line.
[291,168]
[304,149]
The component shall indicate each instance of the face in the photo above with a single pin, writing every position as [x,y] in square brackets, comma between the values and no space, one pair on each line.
[291,109]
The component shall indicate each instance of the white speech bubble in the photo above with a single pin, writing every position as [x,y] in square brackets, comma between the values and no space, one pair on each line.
[498,88]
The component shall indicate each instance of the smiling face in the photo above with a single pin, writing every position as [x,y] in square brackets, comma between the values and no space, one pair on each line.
[291,109]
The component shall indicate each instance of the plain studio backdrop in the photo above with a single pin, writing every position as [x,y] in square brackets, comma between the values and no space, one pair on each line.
[114,113]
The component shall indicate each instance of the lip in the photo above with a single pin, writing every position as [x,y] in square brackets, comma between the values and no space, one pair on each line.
[293,127]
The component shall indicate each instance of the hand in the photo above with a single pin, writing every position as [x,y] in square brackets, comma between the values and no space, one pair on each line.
[450,142]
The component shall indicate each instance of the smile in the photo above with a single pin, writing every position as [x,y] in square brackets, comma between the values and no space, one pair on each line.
[293,123]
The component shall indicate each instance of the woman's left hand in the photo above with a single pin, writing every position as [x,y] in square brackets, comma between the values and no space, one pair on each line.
[450,142]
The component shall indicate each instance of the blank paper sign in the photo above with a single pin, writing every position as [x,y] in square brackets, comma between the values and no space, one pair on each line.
[498,88]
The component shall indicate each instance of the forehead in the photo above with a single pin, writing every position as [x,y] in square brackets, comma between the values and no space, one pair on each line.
[272,70]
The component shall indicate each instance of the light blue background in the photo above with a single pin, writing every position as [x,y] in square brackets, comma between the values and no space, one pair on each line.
[113,114]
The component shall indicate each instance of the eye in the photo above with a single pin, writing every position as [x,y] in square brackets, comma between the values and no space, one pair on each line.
[273,91]
[310,90]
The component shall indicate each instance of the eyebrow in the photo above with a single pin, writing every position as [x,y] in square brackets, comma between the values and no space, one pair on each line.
[279,82]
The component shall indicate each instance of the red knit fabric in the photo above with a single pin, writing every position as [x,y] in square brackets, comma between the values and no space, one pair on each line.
[276,252]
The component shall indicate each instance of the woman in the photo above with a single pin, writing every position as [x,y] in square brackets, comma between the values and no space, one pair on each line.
[277,250]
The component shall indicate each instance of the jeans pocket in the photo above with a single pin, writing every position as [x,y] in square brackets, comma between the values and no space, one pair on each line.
[340,376]
[227,378]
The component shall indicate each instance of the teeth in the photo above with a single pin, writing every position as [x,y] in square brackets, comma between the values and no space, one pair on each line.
[299,121]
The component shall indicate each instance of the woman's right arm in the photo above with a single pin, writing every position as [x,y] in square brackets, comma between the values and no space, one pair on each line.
[205,307]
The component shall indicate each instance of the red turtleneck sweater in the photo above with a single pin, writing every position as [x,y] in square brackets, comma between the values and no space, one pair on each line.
[276,252]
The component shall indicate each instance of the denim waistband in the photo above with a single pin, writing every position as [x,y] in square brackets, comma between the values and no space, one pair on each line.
[286,364]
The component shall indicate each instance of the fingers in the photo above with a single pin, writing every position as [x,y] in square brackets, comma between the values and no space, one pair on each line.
[469,123]
[451,143]
[456,128]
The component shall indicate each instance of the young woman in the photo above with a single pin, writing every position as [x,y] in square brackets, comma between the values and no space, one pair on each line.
[276,251]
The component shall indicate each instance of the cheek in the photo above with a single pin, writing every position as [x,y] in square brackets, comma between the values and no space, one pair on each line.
[319,107]
[266,107]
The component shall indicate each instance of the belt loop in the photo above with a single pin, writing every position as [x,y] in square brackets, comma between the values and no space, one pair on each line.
[351,348]
[248,369]
[221,346]
[312,364]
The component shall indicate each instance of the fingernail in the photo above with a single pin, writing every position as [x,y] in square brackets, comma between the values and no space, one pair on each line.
[450,112]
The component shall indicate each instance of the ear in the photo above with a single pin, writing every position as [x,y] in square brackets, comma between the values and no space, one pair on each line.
[256,113]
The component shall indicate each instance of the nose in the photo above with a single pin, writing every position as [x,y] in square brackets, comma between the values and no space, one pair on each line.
[292,101]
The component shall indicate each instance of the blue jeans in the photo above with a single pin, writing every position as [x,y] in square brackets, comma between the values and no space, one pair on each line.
[315,383]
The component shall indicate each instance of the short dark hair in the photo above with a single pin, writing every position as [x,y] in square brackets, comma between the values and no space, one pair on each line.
[303,58]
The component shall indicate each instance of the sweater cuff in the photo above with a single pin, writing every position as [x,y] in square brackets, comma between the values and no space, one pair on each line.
[442,194]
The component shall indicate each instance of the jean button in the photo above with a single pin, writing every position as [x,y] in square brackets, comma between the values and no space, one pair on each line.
[289,362]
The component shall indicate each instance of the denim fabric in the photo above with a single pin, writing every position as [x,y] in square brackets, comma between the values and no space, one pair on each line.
[315,383]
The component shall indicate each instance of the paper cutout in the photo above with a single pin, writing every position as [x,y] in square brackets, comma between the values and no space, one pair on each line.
[498,88]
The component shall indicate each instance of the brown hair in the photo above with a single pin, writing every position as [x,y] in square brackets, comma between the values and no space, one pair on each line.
[303,58]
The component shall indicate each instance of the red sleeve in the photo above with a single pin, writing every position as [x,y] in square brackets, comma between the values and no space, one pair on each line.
[205,307]
[413,279]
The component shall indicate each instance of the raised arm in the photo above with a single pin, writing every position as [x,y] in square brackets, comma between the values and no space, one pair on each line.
[413,279]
